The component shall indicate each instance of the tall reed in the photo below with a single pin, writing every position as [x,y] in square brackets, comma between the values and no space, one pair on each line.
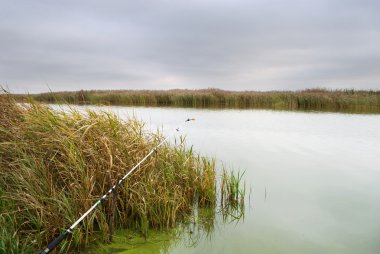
[360,101]
[54,165]
[232,195]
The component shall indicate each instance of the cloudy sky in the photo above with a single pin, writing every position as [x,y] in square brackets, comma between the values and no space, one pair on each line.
[165,44]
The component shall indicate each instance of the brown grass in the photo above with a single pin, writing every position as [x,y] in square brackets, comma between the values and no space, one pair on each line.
[311,99]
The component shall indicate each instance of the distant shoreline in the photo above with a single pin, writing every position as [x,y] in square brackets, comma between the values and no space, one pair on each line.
[348,100]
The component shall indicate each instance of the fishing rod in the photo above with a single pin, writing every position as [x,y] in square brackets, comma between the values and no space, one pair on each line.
[52,245]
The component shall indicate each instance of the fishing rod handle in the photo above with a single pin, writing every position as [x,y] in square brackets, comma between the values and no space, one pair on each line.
[56,241]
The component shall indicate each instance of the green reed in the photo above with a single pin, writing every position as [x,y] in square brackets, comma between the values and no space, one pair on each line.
[232,191]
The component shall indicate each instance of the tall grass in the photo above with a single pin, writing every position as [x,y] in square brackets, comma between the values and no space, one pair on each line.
[232,195]
[54,165]
[311,99]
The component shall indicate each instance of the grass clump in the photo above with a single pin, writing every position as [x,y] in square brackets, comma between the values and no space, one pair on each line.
[232,195]
[54,165]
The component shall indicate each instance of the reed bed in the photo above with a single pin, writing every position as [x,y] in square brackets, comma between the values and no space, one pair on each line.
[360,101]
[54,165]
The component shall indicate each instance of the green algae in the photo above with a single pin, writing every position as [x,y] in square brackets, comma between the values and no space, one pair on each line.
[134,243]
[200,226]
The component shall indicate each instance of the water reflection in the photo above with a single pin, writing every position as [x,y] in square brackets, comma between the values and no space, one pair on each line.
[201,225]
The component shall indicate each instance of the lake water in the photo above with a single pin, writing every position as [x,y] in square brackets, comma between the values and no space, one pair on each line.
[315,178]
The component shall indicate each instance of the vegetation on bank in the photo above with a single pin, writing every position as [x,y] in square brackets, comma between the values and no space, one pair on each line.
[54,165]
[311,99]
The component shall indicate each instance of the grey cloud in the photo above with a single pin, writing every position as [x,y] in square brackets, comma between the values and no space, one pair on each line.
[238,45]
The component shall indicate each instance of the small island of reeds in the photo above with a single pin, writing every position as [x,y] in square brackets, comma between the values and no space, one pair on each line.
[55,164]
[356,101]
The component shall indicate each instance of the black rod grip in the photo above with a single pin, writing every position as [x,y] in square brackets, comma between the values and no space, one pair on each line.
[51,246]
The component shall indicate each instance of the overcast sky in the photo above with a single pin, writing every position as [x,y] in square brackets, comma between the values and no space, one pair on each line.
[234,45]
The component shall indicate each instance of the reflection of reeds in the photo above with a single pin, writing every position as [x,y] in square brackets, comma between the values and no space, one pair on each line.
[203,221]
[310,99]
[55,164]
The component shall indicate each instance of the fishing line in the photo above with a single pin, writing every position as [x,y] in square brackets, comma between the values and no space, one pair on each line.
[52,245]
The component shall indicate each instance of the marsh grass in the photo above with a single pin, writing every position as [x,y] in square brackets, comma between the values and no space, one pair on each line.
[233,189]
[54,165]
[348,100]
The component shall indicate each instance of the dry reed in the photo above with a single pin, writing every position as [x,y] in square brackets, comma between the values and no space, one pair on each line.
[360,101]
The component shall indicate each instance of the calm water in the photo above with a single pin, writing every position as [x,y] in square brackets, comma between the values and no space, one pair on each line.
[315,178]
